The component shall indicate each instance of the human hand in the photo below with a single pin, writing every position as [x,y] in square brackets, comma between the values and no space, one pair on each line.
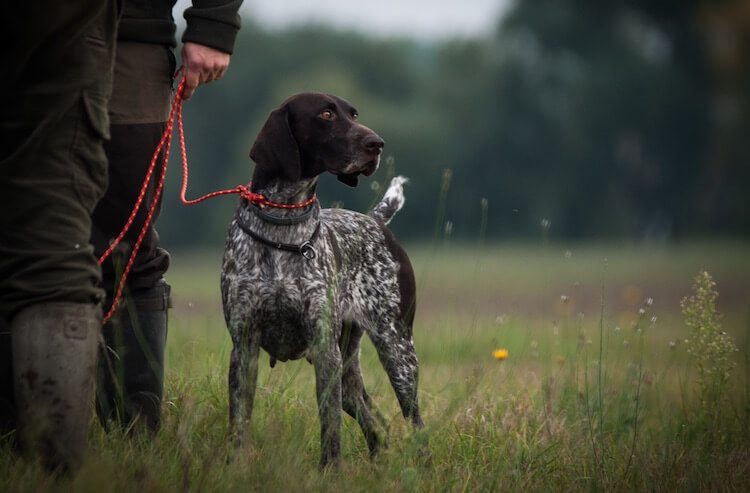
[202,65]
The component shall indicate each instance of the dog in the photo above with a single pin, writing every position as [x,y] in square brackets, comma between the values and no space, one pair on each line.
[301,281]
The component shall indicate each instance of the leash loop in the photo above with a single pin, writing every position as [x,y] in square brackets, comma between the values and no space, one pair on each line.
[162,149]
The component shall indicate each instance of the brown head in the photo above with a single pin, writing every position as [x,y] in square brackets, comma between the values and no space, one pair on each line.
[311,133]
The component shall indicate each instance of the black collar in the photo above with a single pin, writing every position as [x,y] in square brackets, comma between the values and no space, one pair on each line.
[305,249]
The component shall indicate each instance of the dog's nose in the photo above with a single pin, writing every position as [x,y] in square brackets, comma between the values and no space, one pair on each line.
[373,143]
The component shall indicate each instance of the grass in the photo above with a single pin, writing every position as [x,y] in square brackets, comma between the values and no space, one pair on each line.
[593,395]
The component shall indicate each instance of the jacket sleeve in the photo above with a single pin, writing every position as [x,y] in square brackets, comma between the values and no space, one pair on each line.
[213,23]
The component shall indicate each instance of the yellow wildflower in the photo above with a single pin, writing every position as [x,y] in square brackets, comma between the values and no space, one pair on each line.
[500,354]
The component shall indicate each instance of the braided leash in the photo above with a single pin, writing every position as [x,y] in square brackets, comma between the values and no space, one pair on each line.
[165,144]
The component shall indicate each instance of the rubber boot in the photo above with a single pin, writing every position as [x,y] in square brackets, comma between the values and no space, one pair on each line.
[130,381]
[54,362]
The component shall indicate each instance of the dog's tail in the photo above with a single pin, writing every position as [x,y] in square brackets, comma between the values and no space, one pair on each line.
[392,201]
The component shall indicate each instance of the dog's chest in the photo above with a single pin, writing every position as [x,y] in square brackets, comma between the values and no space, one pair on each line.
[281,316]
[280,293]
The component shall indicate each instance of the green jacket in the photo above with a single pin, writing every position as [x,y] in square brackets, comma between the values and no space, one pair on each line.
[211,23]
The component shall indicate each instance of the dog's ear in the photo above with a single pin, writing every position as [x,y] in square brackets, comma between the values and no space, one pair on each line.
[275,147]
[350,180]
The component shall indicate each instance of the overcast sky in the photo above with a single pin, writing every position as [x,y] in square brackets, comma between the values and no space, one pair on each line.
[424,19]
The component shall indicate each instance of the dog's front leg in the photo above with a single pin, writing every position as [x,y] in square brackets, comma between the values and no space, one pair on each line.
[243,377]
[328,386]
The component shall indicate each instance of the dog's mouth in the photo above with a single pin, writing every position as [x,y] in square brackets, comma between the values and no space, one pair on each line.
[351,178]
[371,166]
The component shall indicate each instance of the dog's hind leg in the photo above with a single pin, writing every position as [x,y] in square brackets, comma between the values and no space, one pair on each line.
[355,400]
[396,352]
[243,378]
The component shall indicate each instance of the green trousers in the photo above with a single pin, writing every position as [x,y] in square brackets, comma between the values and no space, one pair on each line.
[55,91]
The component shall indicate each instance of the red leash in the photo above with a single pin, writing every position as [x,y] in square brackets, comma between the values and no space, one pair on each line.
[165,144]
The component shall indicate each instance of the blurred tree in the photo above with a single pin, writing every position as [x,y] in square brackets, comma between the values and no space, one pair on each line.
[723,204]
[622,118]
[615,103]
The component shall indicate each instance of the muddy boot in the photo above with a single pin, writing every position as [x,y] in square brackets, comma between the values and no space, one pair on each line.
[131,365]
[54,361]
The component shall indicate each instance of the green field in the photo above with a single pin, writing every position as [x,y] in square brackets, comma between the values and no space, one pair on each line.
[593,394]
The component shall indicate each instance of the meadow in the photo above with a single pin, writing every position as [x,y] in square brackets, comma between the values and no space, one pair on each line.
[543,367]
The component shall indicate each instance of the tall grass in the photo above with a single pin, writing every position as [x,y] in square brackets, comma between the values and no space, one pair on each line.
[599,390]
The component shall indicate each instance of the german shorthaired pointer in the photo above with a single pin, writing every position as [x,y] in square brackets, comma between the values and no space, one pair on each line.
[309,282]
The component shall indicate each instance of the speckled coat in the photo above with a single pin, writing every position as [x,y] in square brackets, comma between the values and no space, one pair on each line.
[359,281]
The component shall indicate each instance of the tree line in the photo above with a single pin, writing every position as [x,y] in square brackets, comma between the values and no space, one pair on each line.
[576,118]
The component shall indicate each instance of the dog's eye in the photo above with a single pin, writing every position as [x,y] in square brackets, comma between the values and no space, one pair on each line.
[355,115]
[327,115]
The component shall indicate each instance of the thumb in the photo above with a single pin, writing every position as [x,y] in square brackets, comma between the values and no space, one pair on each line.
[192,80]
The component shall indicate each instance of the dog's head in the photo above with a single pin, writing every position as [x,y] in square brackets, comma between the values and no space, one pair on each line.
[311,133]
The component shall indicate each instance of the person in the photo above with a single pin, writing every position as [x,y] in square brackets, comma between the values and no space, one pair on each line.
[57,74]
[130,378]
